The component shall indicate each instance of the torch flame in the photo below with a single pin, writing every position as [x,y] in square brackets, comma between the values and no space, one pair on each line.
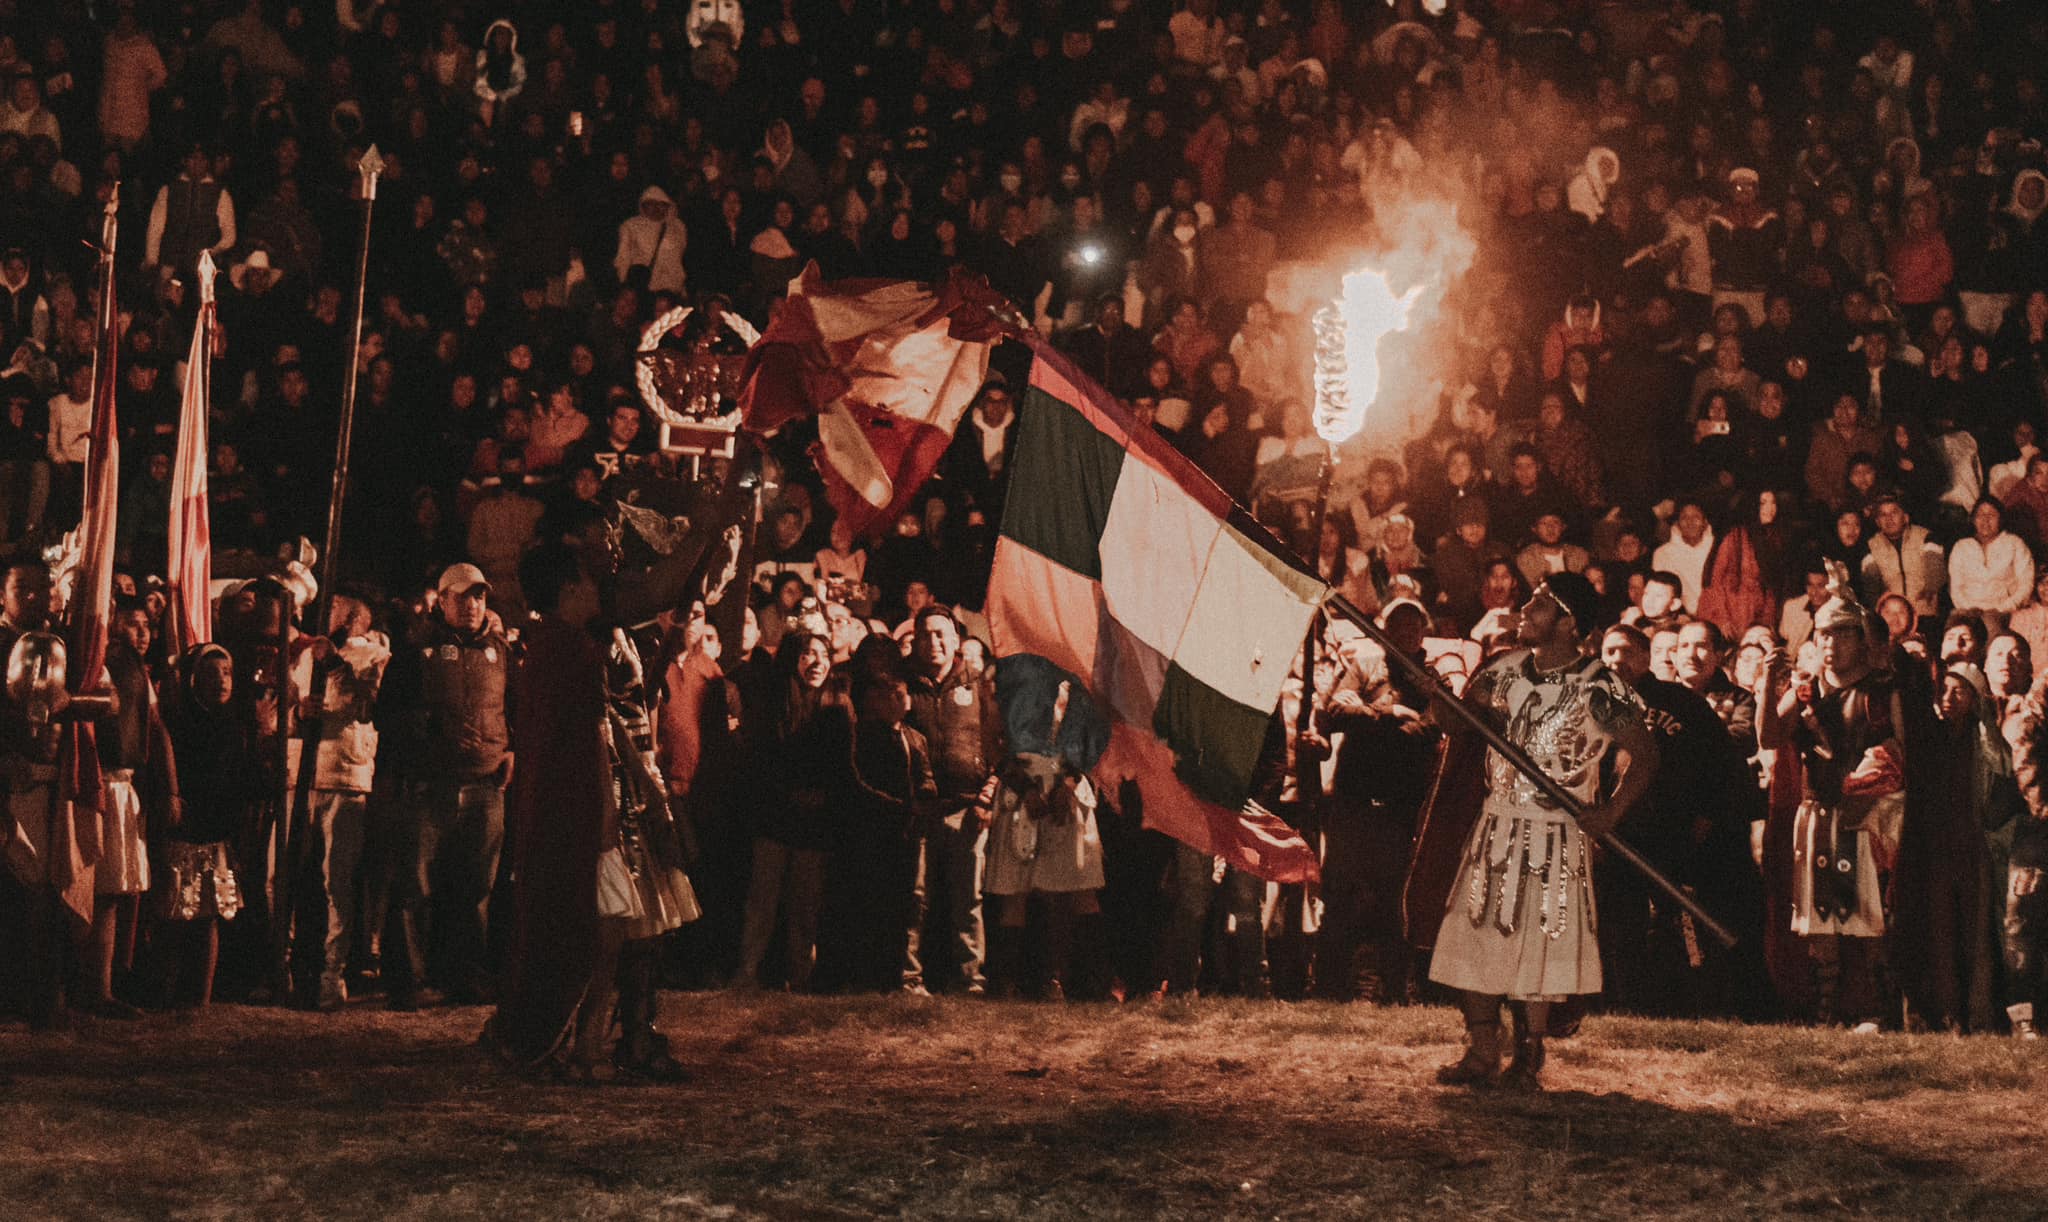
[1347,354]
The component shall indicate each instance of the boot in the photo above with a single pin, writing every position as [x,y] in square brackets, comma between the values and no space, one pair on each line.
[1480,1066]
[1525,1068]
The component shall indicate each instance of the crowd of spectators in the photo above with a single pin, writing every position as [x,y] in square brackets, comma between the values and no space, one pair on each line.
[1760,289]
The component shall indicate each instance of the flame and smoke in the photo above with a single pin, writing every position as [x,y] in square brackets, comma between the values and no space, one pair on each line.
[1394,281]
[1418,252]
[1347,353]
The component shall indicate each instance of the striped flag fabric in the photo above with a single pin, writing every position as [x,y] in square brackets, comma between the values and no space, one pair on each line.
[888,368]
[191,559]
[92,588]
[1122,563]
[75,847]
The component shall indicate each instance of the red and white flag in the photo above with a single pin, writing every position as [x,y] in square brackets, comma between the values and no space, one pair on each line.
[888,367]
[75,839]
[92,587]
[191,559]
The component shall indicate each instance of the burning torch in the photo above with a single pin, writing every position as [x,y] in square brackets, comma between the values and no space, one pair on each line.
[1347,383]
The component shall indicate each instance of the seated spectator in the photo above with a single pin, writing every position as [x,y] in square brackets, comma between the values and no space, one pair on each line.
[1549,553]
[1659,604]
[1579,328]
[2026,502]
[1727,375]
[1904,560]
[1110,350]
[1835,442]
[1566,447]
[1990,572]
[1998,481]
[1269,356]
[1187,341]
[1381,498]
[1460,562]
[1746,571]
[1501,595]
[1685,552]
[1721,444]
[1530,492]
[1504,386]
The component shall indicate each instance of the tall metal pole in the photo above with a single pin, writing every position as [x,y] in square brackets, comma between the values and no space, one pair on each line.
[298,799]
[369,166]
[1519,759]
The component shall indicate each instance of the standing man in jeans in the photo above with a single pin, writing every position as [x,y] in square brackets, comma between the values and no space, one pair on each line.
[332,805]
[449,690]
[958,717]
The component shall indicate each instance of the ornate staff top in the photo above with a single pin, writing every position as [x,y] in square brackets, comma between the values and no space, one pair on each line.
[370,165]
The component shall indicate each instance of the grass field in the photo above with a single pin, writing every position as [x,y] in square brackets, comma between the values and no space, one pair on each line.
[826,1108]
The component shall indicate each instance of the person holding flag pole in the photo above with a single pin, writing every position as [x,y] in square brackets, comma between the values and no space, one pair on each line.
[1520,926]
[330,760]
[52,820]
[1122,565]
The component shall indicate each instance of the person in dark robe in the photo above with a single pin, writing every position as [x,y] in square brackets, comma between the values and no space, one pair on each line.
[1651,961]
[1941,945]
[874,863]
[557,817]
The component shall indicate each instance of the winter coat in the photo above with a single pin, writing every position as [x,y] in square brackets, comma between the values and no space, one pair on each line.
[1994,576]
[501,80]
[655,245]
[1914,568]
[959,719]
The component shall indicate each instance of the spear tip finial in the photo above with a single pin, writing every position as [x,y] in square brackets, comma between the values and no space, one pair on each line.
[370,165]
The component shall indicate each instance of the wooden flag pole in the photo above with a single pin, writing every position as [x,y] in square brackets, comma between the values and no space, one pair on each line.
[370,165]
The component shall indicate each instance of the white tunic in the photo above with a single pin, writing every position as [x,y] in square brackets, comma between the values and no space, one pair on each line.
[1521,921]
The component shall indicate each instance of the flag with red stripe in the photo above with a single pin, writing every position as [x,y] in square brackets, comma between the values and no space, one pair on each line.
[191,558]
[75,847]
[1123,564]
[888,367]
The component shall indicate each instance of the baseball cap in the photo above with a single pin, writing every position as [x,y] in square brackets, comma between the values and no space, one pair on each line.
[461,577]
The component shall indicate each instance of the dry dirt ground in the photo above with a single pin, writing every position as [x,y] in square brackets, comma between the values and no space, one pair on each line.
[825,1108]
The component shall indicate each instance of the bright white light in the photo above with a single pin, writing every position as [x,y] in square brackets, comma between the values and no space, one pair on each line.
[1347,350]
[1091,254]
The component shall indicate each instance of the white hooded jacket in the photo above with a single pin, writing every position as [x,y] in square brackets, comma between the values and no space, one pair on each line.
[515,70]
[1589,188]
[656,245]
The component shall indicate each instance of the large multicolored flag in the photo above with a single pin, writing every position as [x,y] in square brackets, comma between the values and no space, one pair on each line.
[888,367]
[1122,563]
[191,559]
